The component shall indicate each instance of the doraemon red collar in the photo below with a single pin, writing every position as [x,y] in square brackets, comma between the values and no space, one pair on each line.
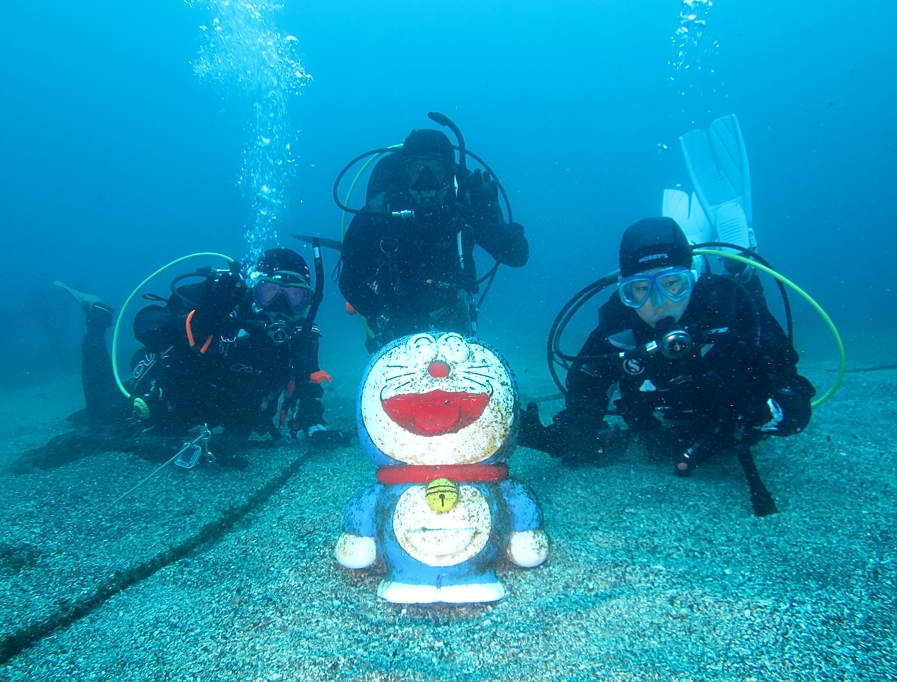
[460,473]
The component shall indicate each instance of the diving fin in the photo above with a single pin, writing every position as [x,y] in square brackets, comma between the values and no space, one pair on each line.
[690,217]
[86,301]
[719,170]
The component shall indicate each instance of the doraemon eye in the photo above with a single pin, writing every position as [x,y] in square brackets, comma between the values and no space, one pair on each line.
[453,348]
[421,349]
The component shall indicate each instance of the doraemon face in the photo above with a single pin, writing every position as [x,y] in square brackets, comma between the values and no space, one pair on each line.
[434,399]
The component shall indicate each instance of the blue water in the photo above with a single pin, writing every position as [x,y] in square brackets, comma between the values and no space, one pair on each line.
[118,157]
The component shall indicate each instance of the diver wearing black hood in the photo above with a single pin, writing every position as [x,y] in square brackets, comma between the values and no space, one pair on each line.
[407,257]
[229,351]
[701,364]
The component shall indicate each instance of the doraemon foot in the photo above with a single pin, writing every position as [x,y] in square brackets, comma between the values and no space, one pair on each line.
[403,593]
[354,551]
[472,593]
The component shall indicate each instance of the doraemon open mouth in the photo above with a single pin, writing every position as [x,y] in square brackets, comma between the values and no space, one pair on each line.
[436,412]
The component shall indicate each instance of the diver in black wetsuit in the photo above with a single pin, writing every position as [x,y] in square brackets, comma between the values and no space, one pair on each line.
[231,351]
[701,364]
[407,257]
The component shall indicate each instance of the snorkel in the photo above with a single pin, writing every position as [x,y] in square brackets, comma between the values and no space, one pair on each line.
[461,177]
[317,293]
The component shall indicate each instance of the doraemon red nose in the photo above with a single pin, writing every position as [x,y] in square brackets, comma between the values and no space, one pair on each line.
[438,369]
[437,412]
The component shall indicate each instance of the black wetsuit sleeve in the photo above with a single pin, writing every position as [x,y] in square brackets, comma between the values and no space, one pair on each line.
[779,354]
[309,393]
[505,242]
[588,381]
[778,359]
[764,364]
[362,260]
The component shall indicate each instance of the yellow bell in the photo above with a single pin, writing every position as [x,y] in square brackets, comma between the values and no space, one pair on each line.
[442,495]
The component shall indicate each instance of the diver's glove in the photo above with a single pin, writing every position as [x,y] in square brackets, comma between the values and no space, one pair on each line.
[794,399]
[483,192]
[322,439]
[533,434]
[573,443]
[591,446]
[786,412]
[219,298]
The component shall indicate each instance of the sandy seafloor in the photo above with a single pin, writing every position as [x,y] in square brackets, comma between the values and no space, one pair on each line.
[218,574]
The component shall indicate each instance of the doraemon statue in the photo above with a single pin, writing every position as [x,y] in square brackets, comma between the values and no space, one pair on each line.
[437,413]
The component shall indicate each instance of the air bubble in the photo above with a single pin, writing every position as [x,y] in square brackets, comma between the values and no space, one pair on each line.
[253,62]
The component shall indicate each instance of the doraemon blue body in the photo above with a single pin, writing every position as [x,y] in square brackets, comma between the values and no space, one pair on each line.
[437,414]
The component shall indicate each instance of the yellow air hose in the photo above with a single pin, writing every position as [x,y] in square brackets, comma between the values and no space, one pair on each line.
[784,280]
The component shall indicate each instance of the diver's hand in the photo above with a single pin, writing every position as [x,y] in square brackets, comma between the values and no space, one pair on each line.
[219,298]
[322,439]
[483,193]
[793,399]
[533,434]
[574,443]
[786,412]
[595,447]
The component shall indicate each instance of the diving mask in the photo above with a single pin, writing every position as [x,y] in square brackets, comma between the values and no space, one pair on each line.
[674,284]
[291,285]
[428,174]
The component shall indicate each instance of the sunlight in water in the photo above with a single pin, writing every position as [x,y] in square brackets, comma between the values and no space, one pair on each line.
[242,53]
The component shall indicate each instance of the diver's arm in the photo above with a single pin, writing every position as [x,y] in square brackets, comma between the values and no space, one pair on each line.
[778,401]
[589,379]
[773,352]
[308,383]
[361,258]
[578,433]
[505,242]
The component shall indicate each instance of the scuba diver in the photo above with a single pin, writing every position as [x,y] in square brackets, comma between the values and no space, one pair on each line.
[700,365]
[233,351]
[407,257]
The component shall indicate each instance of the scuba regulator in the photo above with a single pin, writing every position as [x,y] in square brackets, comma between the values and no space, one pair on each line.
[675,342]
